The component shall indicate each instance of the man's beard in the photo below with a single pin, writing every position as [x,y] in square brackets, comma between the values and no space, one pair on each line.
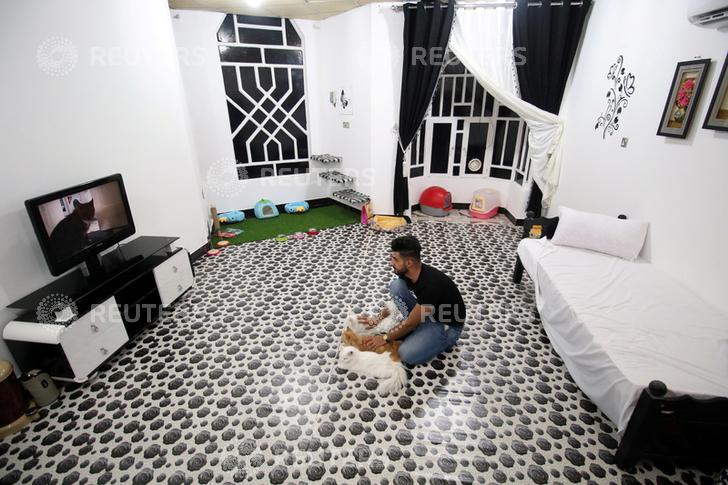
[401,272]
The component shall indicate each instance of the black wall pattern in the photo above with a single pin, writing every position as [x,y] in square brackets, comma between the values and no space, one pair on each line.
[262,68]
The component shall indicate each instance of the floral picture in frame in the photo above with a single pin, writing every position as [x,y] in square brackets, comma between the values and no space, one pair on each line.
[717,117]
[687,83]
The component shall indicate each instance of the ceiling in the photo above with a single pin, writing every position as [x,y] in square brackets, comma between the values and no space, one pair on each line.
[294,9]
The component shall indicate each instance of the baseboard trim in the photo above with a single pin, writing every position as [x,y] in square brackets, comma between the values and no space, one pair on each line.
[198,253]
[312,204]
[514,221]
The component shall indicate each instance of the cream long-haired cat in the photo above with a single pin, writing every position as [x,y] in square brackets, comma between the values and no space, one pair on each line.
[383,363]
[391,374]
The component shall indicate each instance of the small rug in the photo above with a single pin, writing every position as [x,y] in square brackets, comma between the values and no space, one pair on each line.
[460,216]
[320,218]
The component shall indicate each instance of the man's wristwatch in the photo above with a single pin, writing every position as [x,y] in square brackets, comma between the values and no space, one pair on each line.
[384,336]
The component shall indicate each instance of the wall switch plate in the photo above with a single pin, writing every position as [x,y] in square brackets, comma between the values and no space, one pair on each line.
[345,124]
[625,140]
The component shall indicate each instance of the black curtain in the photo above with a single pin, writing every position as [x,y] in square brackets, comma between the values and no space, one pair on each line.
[548,37]
[426,33]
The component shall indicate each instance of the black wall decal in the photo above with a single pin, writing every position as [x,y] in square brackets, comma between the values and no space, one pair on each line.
[617,98]
[262,68]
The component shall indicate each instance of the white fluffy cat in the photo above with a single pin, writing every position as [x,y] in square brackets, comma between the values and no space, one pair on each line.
[392,375]
[388,323]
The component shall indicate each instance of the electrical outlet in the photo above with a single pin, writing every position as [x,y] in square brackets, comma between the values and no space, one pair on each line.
[345,124]
[625,140]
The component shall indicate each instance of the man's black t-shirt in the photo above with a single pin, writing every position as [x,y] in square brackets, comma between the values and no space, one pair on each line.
[433,287]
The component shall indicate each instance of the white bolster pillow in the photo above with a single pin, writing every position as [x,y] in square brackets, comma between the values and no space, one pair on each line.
[623,238]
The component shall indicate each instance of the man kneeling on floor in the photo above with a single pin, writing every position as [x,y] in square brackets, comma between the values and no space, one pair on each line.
[433,316]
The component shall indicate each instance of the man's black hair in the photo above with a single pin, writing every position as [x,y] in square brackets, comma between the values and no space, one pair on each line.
[407,247]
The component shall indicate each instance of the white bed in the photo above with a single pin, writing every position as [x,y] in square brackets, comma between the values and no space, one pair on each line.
[619,325]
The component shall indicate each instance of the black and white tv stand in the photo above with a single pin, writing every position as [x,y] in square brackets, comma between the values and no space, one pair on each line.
[74,324]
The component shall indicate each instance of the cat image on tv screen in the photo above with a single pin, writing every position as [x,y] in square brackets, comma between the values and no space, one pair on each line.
[71,234]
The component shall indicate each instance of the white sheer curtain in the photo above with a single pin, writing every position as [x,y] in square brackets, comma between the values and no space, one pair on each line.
[482,38]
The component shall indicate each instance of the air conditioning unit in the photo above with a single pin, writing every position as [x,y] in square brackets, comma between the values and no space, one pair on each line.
[709,13]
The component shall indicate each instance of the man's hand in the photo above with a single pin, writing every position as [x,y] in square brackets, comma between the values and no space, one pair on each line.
[373,343]
[366,320]
[370,322]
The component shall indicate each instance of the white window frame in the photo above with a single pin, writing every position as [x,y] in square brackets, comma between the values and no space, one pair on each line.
[521,162]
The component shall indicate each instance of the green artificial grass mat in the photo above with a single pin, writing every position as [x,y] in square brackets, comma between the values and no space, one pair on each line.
[320,218]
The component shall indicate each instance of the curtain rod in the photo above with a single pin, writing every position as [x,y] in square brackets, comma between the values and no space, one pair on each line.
[506,3]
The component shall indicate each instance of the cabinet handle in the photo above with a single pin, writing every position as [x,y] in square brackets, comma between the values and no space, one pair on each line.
[94,328]
[175,269]
[103,351]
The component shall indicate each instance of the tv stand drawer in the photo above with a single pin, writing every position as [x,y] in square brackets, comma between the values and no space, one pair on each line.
[93,338]
[174,277]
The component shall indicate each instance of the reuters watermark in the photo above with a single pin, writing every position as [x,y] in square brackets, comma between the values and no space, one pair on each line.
[56,308]
[115,56]
[223,178]
[437,56]
[58,56]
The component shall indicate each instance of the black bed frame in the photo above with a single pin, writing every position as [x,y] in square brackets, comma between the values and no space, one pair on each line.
[679,429]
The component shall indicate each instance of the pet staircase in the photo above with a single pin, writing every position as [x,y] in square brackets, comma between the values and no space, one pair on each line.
[326,158]
[347,196]
[336,177]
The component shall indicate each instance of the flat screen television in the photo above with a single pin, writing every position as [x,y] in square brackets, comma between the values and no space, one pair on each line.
[75,224]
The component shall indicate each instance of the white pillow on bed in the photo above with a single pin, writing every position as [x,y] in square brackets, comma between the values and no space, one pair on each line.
[623,238]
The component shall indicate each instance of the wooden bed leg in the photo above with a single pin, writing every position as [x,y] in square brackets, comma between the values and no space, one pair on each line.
[640,424]
[518,270]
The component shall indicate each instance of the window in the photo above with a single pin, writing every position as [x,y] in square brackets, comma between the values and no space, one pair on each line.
[262,68]
[468,133]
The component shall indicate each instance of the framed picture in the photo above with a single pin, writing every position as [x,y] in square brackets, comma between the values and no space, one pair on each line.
[683,98]
[717,117]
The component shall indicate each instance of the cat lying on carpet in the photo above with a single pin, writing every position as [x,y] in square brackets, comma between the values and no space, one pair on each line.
[382,363]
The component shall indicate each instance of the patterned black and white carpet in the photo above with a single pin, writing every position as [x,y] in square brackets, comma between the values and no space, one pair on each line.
[238,384]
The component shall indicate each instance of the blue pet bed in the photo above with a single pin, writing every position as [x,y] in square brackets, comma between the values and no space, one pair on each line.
[231,216]
[294,207]
[265,209]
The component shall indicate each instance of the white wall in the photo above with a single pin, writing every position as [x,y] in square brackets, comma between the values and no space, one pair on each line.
[342,60]
[386,79]
[120,109]
[677,185]
[360,49]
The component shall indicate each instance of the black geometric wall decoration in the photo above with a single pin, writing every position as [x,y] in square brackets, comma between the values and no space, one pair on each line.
[263,72]
[617,97]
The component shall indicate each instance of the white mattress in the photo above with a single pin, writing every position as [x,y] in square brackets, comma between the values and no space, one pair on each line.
[619,325]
